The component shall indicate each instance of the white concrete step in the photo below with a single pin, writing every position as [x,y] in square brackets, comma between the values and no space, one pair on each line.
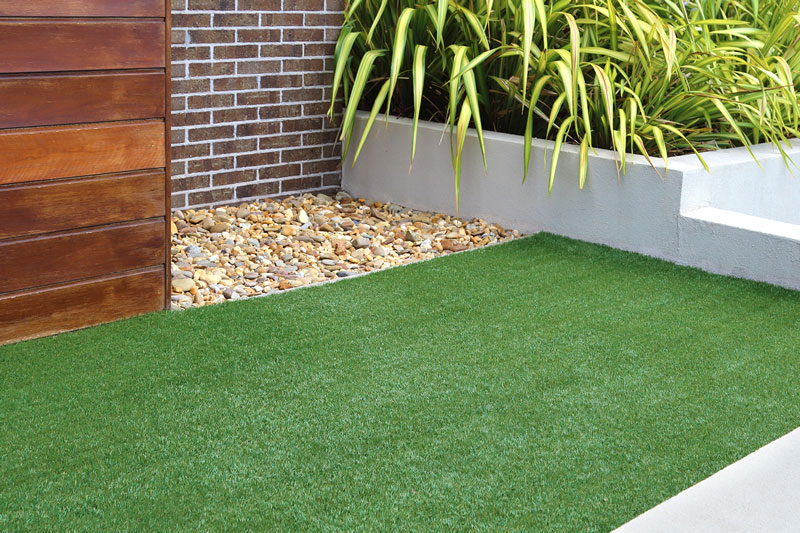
[745,222]
[760,493]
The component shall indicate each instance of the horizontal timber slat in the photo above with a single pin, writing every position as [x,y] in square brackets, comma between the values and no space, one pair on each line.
[70,151]
[26,315]
[51,259]
[66,45]
[49,206]
[45,100]
[82,8]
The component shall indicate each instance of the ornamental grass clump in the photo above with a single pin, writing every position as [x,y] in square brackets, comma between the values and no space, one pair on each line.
[658,78]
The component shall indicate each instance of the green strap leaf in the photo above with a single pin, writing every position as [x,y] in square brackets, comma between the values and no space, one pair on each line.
[472,98]
[377,19]
[441,15]
[355,96]
[376,106]
[400,37]
[528,20]
[463,125]
[346,42]
[560,136]
[418,75]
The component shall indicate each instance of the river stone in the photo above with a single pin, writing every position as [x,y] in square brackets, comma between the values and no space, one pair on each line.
[278,245]
[361,242]
[183,284]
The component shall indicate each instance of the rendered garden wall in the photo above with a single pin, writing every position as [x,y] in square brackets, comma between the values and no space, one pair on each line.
[715,221]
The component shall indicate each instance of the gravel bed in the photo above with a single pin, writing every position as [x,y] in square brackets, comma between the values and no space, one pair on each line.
[229,253]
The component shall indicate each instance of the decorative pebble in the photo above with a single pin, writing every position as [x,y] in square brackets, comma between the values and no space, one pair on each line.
[229,253]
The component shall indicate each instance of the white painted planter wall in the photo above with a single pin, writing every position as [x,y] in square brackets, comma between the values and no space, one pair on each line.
[739,220]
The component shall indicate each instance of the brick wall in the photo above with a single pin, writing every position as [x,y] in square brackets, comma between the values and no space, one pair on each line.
[251,86]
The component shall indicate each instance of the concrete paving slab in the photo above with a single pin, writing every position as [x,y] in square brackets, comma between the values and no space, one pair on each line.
[756,494]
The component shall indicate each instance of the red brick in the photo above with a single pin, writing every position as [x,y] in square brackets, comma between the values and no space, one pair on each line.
[324,19]
[315,167]
[258,97]
[260,36]
[216,68]
[317,108]
[324,79]
[280,111]
[178,70]
[235,51]
[319,49]
[207,134]
[302,65]
[236,19]
[210,197]
[237,114]
[260,5]
[256,190]
[207,101]
[279,141]
[302,124]
[180,53]
[191,119]
[212,36]
[280,171]
[301,154]
[210,165]
[190,86]
[178,168]
[257,160]
[281,19]
[188,184]
[237,146]
[333,179]
[303,5]
[299,184]
[303,34]
[281,81]
[302,95]
[282,50]
[237,176]
[212,5]
[320,137]
[178,37]
[236,83]
[255,129]
[178,201]
[188,151]
[178,135]
[259,67]
[191,20]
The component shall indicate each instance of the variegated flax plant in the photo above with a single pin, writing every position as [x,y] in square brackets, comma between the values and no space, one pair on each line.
[654,77]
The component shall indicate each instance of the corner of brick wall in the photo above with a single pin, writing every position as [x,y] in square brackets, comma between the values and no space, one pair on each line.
[251,88]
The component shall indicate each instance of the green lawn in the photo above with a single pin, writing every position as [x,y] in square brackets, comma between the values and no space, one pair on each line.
[544,383]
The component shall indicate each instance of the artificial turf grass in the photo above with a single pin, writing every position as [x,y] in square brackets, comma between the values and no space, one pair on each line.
[544,383]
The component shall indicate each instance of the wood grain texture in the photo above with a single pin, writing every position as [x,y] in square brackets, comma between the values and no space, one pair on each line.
[47,260]
[82,8]
[45,100]
[69,151]
[51,206]
[65,45]
[168,158]
[38,313]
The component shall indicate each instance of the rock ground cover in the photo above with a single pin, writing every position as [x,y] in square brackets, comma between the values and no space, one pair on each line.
[228,253]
